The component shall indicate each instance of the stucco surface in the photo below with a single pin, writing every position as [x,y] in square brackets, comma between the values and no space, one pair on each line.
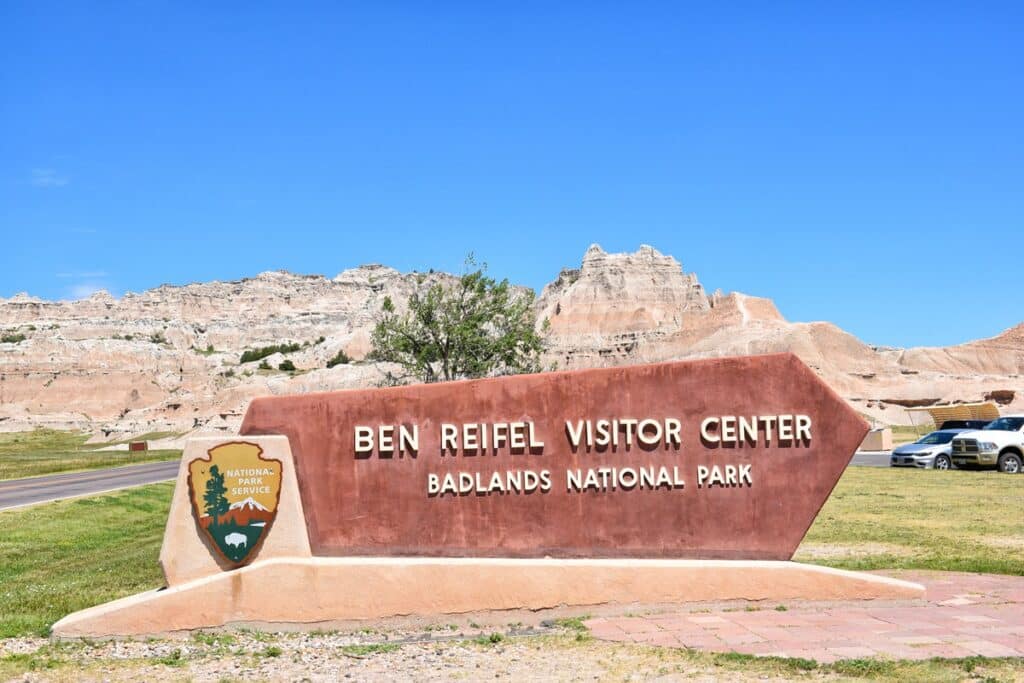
[322,590]
[186,555]
[380,505]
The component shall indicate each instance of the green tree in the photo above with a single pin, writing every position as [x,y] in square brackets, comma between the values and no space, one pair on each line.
[474,327]
[216,503]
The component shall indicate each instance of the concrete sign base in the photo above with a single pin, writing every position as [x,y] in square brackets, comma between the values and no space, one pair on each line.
[320,590]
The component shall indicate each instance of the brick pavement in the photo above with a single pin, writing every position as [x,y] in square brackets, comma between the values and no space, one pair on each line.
[962,615]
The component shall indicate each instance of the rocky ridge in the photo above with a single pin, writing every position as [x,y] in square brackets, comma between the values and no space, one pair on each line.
[168,359]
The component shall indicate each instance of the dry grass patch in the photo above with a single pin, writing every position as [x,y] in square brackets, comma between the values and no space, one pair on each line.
[826,552]
[888,518]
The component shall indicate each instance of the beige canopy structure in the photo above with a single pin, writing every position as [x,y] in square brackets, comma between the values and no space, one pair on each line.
[986,410]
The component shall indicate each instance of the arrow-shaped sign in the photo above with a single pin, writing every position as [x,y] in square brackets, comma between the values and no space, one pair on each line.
[724,458]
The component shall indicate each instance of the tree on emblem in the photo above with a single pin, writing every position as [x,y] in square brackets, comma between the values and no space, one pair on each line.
[214,498]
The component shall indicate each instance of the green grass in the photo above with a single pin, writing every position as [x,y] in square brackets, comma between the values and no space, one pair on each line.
[48,451]
[491,639]
[881,518]
[873,669]
[61,557]
[576,625]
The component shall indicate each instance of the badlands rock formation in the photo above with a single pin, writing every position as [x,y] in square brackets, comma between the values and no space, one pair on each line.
[168,359]
[642,307]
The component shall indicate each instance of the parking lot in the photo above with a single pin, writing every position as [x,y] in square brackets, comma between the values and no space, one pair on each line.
[870,459]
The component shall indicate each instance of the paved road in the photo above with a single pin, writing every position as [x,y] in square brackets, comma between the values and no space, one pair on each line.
[871,459]
[18,492]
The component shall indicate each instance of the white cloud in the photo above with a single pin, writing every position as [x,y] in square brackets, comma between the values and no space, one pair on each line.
[83,290]
[48,177]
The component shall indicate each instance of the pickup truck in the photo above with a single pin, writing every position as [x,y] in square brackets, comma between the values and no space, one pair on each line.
[999,444]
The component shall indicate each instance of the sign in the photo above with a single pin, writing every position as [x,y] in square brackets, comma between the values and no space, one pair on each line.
[234,494]
[725,458]
[509,493]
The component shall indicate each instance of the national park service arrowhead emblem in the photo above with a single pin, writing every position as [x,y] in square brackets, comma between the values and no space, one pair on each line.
[234,494]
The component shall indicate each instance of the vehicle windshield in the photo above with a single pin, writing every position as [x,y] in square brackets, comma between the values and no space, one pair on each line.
[935,438]
[1006,424]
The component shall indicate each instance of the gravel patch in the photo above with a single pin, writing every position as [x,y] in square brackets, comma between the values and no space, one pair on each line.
[542,654]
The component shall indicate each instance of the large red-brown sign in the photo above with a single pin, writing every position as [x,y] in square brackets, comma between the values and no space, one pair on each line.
[724,458]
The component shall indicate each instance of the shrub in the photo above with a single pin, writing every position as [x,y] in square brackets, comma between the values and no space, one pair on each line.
[12,338]
[287,366]
[264,351]
[173,659]
[158,338]
[264,365]
[473,327]
[340,358]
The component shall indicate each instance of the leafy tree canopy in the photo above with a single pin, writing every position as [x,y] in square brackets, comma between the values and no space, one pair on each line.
[474,327]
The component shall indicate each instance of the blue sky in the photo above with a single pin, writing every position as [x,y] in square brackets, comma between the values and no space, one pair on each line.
[862,164]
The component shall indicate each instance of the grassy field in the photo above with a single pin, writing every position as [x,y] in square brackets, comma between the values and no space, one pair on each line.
[880,518]
[61,557]
[47,451]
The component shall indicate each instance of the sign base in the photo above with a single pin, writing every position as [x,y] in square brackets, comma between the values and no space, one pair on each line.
[314,591]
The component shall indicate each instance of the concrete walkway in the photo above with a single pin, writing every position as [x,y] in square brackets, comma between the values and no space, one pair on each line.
[962,615]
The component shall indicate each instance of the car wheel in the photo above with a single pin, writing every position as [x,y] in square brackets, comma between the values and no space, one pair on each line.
[1009,463]
[942,462]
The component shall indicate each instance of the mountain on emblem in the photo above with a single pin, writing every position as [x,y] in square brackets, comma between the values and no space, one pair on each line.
[234,494]
[247,504]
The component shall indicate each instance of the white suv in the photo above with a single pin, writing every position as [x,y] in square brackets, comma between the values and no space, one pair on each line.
[1000,444]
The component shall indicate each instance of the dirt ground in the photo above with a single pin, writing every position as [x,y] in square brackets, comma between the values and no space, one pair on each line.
[550,652]
[553,655]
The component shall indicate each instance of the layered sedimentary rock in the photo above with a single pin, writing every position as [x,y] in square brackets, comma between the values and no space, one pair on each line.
[168,359]
[642,307]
